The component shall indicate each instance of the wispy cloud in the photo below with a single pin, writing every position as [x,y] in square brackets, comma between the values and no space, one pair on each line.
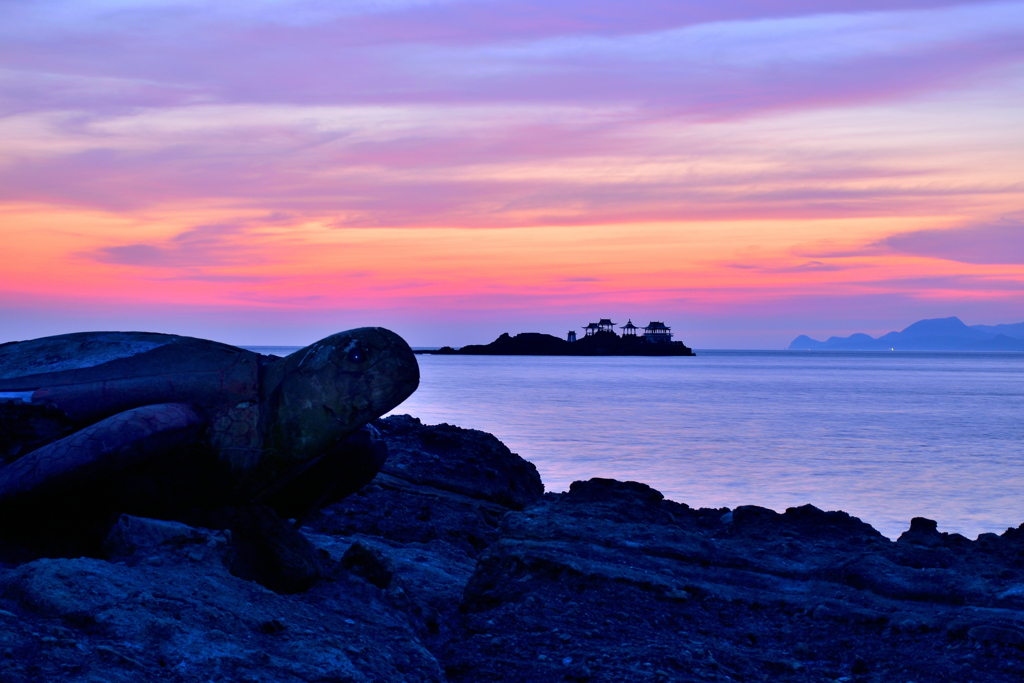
[806,267]
[1000,242]
[198,275]
[201,246]
[730,59]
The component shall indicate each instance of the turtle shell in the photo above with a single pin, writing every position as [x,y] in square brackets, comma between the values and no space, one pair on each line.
[265,419]
[70,381]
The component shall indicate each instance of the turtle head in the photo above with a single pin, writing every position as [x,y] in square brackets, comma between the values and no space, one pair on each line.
[318,395]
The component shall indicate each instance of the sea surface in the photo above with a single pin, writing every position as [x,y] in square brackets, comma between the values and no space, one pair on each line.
[883,436]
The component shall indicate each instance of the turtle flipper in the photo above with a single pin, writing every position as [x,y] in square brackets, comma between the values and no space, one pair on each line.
[25,427]
[100,449]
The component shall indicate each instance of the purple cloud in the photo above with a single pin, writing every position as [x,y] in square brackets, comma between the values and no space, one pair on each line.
[1001,242]
[504,52]
[204,245]
[947,283]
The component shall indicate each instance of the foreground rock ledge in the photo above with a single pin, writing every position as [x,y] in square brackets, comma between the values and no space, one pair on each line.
[453,565]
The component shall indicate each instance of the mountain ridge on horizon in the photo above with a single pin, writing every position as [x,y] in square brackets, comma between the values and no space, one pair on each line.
[933,334]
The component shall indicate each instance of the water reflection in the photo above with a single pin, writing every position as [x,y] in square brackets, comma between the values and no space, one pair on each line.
[883,436]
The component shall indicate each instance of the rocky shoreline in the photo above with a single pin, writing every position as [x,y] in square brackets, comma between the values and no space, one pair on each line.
[454,565]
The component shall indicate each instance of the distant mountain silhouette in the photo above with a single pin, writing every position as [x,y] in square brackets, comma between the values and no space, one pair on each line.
[937,334]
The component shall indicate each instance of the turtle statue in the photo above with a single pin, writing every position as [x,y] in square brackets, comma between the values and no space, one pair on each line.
[98,423]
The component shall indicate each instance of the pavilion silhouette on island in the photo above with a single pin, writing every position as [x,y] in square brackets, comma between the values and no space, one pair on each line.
[655,332]
[599,339]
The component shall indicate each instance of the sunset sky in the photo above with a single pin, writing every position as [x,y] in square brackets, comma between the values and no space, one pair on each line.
[269,172]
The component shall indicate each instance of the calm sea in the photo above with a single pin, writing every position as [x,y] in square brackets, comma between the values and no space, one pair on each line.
[885,437]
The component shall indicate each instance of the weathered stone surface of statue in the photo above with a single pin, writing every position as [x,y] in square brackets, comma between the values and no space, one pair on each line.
[161,425]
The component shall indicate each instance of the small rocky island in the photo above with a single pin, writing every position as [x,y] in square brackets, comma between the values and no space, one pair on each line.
[599,339]
[454,565]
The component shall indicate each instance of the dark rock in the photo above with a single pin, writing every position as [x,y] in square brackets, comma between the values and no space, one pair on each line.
[809,520]
[608,561]
[272,626]
[806,521]
[996,634]
[752,516]
[922,531]
[132,535]
[428,515]
[609,490]
[884,577]
[394,509]
[464,461]
[369,563]
[196,622]
[440,483]
[267,549]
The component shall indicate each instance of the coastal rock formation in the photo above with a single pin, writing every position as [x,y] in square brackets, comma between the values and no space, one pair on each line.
[610,582]
[453,565]
[439,483]
[175,613]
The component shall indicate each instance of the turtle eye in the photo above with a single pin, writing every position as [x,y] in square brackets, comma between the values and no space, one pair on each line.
[356,354]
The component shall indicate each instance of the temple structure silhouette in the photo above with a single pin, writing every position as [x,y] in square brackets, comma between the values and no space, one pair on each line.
[656,332]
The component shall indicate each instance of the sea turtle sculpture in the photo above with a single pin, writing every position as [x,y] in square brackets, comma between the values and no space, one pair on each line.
[155,424]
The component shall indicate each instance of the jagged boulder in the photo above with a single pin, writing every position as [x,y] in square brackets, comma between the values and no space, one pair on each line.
[463,461]
[440,483]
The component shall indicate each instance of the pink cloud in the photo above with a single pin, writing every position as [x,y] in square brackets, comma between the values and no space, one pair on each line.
[294,173]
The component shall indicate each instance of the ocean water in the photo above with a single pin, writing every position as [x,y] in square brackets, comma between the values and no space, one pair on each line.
[885,437]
